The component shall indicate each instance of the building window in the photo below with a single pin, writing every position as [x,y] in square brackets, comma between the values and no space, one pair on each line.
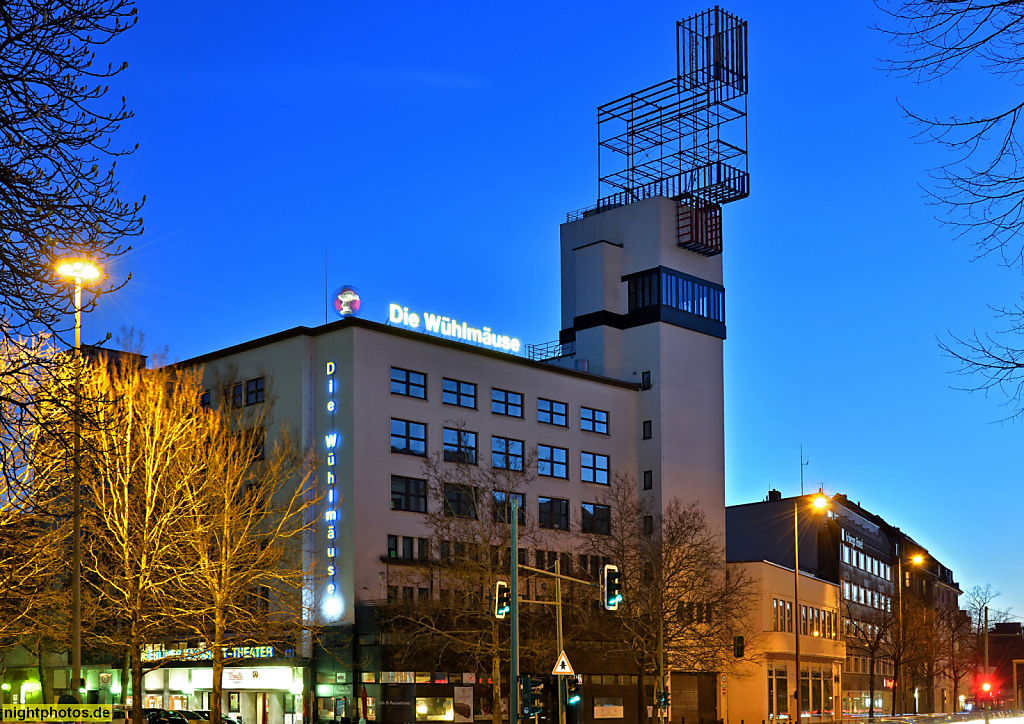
[503,506]
[508,403]
[234,394]
[408,438]
[459,500]
[401,547]
[423,549]
[459,446]
[594,420]
[408,383]
[597,519]
[552,461]
[506,453]
[254,391]
[594,468]
[645,380]
[454,392]
[647,429]
[648,479]
[648,525]
[392,546]
[551,412]
[408,494]
[554,513]
[204,400]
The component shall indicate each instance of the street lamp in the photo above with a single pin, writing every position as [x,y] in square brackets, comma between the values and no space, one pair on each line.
[82,271]
[916,559]
[819,503]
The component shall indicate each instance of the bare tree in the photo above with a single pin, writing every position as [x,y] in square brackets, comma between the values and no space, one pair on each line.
[58,193]
[676,588]
[872,631]
[981,188]
[242,532]
[467,550]
[144,454]
[955,645]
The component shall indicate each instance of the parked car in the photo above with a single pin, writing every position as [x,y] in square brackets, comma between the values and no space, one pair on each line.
[193,717]
[159,716]
[206,714]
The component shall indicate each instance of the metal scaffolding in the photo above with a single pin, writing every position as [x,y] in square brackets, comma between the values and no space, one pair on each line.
[684,138]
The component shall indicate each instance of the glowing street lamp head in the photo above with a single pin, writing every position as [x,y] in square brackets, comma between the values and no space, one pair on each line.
[82,270]
[820,502]
[917,560]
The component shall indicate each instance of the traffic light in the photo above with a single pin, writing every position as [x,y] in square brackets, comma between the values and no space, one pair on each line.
[573,694]
[662,699]
[530,695]
[737,647]
[611,587]
[502,599]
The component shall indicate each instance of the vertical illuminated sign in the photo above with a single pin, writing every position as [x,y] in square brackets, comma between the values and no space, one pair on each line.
[333,603]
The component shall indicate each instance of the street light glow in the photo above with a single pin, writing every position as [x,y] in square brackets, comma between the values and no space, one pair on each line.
[80,269]
[820,502]
[917,560]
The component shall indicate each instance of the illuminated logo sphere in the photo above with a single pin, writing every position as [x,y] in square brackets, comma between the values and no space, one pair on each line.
[346,302]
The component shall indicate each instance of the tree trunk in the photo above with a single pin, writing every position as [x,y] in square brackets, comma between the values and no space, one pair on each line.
[136,656]
[496,691]
[218,667]
[641,691]
[125,673]
[42,672]
[871,687]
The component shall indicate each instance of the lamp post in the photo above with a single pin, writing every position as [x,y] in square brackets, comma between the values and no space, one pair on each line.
[917,560]
[81,271]
[819,502]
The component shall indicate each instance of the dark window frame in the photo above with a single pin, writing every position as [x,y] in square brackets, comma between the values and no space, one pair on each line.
[597,520]
[408,448]
[458,396]
[404,384]
[505,454]
[550,518]
[590,420]
[459,451]
[552,412]
[503,507]
[648,480]
[460,501]
[502,405]
[410,491]
[591,471]
[546,456]
[254,391]
[647,429]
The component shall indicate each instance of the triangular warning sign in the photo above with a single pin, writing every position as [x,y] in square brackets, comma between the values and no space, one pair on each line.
[562,666]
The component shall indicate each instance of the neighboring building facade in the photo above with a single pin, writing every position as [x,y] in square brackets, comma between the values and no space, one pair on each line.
[765,679]
[864,556]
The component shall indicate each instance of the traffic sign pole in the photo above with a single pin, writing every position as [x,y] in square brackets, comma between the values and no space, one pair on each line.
[513,685]
[558,626]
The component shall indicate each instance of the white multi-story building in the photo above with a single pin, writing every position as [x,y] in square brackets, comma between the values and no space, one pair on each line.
[633,388]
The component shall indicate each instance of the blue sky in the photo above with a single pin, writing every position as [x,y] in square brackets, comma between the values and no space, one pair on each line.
[427,153]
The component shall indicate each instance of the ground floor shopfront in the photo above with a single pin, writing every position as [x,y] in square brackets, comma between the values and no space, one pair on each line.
[255,693]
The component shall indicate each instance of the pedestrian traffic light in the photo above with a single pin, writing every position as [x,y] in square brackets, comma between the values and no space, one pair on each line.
[737,647]
[611,587]
[662,699]
[530,695]
[573,694]
[502,599]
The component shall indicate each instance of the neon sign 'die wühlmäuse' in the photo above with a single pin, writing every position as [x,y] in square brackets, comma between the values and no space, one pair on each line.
[450,328]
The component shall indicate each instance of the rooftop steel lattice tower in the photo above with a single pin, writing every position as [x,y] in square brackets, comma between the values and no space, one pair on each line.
[684,138]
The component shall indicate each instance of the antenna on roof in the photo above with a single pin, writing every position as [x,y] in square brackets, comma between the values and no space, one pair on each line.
[802,464]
